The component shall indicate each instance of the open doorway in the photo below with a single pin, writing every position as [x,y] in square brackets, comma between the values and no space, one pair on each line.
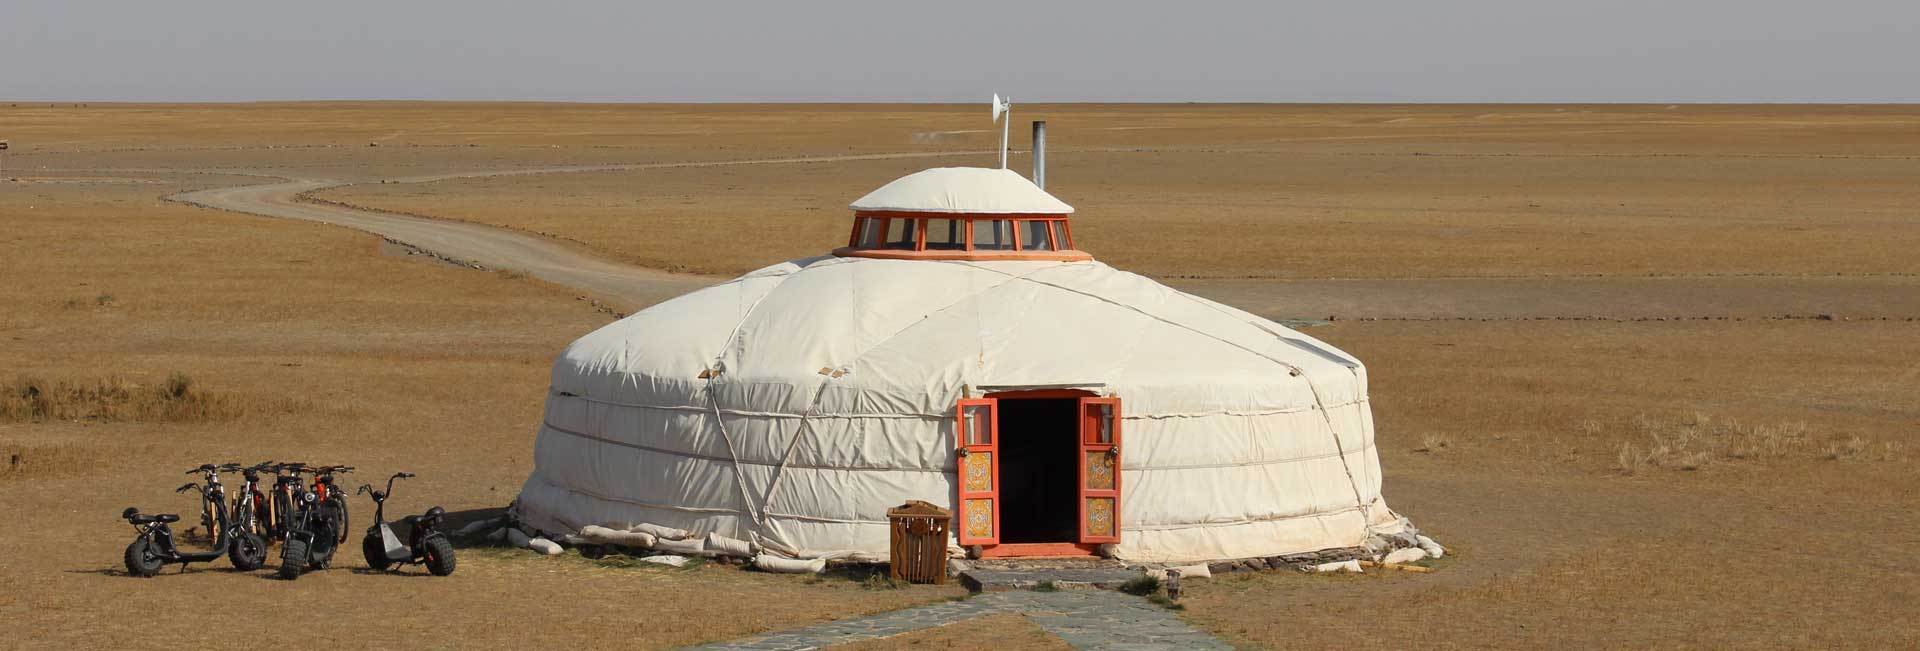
[1039,472]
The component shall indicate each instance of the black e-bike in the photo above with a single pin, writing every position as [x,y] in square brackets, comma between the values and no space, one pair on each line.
[412,539]
[155,546]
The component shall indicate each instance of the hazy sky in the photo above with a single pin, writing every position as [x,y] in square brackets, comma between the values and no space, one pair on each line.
[609,50]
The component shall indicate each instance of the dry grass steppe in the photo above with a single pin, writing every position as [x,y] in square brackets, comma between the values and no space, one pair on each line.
[1700,460]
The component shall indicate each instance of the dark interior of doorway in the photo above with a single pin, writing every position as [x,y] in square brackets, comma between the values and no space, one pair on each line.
[1039,470]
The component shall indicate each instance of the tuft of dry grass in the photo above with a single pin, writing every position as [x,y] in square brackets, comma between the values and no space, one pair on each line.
[1854,448]
[175,400]
[1631,461]
[1434,443]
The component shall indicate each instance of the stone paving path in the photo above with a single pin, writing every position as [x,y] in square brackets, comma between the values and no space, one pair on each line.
[1084,619]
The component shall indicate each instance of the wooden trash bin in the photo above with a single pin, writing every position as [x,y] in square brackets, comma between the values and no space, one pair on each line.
[918,553]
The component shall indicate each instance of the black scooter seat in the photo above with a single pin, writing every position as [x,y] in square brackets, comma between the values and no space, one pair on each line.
[142,518]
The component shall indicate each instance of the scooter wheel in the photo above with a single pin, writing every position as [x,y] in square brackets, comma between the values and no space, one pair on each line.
[247,551]
[141,561]
[439,556]
[293,558]
[375,551]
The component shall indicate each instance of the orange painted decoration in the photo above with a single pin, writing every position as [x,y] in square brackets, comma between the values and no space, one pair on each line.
[1099,470]
[977,433]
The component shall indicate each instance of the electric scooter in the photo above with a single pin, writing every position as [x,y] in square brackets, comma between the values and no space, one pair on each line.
[310,534]
[155,547]
[412,539]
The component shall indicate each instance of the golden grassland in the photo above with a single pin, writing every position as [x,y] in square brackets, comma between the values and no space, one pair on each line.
[335,352]
[1345,193]
[1296,212]
[1711,483]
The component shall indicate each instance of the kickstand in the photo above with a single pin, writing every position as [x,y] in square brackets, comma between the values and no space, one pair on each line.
[183,569]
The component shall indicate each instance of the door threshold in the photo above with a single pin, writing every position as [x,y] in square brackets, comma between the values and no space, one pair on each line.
[1040,550]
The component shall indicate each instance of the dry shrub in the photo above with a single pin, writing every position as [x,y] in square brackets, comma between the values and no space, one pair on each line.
[1433,443]
[1630,461]
[176,399]
[1592,427]
[1892,451]
[1857,449]
[1698,441]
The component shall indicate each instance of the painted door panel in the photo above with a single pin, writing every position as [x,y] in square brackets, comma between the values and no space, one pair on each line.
[978,505]
[1099,470]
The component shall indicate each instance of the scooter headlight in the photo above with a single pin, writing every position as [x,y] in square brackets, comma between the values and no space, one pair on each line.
[307,497]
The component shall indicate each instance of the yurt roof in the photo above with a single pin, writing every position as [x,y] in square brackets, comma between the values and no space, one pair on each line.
[911,349]
[966,190]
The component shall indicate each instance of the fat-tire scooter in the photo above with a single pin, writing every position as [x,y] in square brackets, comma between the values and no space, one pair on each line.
[412,539]
[155,547]
[310,535]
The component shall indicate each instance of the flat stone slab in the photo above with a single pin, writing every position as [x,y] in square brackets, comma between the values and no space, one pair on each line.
[1093,620]
[983,580]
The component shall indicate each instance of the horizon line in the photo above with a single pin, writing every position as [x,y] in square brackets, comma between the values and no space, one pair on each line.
[1301,102]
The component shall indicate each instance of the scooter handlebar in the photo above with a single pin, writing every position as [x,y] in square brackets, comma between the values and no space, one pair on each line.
[186,487]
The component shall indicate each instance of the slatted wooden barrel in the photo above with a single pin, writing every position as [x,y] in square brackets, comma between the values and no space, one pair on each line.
[918,553]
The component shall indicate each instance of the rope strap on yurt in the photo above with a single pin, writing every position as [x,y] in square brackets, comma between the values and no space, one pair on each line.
[739,478]
[713,402]
[1366,512]
[780,471]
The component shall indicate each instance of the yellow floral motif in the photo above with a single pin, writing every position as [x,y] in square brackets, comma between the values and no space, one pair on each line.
[1099,470]
[979,472]
[1100,516]
[980,518]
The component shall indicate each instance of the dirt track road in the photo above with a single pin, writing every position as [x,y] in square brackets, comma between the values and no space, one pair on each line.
[626,287]
[621,285]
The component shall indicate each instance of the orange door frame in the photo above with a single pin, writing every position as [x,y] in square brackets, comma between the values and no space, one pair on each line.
[1041,550]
